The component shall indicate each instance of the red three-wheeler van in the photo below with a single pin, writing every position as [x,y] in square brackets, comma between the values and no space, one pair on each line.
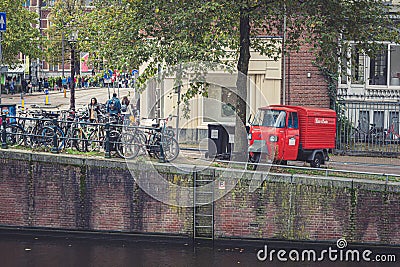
[279,133]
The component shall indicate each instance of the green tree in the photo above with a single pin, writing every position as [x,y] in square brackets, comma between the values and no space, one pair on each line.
[111,35]
[65,25]
[171,32]
[65,22]
[21,35]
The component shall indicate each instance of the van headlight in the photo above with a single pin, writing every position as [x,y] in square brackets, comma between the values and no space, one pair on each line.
[273,138]
[249,136]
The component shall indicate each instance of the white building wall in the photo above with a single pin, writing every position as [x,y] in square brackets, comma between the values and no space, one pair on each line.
[264,88]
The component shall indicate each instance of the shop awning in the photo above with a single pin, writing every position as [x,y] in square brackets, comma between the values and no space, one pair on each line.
[16,70]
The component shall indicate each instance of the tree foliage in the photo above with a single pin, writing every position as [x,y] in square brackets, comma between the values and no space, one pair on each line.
[131,32]
[111,36]
[21,36]
[65,17]
[169,32]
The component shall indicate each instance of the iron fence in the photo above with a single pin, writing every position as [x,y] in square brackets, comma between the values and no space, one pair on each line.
[368,128]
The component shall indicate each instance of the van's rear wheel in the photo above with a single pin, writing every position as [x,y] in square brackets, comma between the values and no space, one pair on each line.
[317,161]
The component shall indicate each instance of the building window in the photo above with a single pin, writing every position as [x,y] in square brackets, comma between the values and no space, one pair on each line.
[27,3]
[384,68]
[363,122]
[353,65]
[379,120]
[48,2]
[228,100]
[219,105]
[394,65]
[378,68]
[53,67]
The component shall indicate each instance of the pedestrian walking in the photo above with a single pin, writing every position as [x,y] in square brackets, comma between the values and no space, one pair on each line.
[40,84]
[24,85]
[46,84]
[124,104]
[113,105]
[59,83]
[64,82]
[30,86]
[94,110]
[12,86]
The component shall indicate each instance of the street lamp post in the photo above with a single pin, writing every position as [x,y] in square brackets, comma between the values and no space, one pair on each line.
[62,53]
[72,41]
[1,62]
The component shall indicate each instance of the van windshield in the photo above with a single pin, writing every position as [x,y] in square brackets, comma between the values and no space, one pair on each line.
[270,118]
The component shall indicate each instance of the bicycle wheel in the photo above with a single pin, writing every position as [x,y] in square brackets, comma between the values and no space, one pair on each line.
[171,149]
[127,146]
[169,132]
[79,140]
[69,142]
[95,141]
[48,134]
[35,136]
[141,140]
[15,135]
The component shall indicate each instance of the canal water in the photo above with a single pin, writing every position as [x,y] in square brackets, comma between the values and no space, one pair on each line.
[51,249]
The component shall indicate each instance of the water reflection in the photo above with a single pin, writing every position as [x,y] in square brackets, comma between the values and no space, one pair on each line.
[38,250]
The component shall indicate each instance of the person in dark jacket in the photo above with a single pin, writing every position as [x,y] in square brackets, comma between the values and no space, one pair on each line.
[114,105]
[24,85]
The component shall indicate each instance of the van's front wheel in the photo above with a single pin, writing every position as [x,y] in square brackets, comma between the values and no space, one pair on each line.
[254,158]
[317,161]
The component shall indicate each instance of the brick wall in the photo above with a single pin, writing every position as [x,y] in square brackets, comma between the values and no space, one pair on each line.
[62,192]
[72,193]
[301,89]
[14,195]
[310,209]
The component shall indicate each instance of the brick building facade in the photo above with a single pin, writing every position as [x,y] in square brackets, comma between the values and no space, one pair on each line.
[305,85]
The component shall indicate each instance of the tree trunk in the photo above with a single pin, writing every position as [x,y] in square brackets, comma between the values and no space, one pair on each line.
[241,143]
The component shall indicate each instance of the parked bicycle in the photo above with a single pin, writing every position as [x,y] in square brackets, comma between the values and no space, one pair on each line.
[391,135]
[15,133]
[160,141]
[374,135]
[120,134]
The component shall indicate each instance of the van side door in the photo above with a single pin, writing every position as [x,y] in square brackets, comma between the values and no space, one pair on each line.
[292,141]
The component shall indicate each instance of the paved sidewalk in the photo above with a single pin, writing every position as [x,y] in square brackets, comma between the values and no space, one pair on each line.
[366,160]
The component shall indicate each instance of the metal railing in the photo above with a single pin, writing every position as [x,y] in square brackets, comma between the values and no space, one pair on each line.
[368,128]
[51,134]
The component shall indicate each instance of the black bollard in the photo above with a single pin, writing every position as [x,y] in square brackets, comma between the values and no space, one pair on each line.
[3,131]
[54,149]
[107,144]
[162,156]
